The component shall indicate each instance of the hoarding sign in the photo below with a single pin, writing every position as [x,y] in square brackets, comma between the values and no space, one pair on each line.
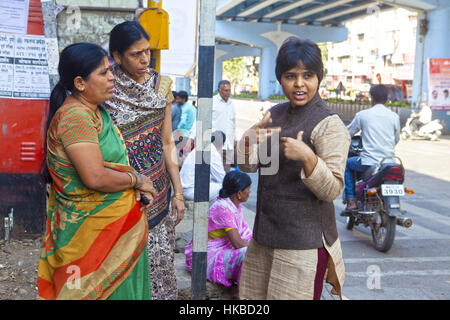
[439,83]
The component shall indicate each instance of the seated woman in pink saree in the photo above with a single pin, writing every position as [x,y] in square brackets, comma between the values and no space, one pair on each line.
[228,233]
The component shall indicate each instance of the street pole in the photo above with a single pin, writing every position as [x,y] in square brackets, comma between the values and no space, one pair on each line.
[203,147]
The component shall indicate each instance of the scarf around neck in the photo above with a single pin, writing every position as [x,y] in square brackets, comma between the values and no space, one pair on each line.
[132,100]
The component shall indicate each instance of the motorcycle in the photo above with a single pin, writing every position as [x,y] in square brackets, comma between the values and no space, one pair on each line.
[431,131]
[378,191]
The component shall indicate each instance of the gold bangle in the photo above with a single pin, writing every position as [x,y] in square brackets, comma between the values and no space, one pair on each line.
[178,196]
[132,177]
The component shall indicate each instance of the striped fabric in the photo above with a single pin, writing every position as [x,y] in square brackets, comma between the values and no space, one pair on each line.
[93,240]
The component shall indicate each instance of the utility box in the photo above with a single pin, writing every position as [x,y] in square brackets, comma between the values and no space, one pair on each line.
[155,21]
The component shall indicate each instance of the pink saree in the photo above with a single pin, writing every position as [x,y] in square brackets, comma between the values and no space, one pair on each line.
[224,262]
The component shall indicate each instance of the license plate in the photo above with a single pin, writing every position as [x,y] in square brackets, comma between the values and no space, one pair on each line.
[392,190]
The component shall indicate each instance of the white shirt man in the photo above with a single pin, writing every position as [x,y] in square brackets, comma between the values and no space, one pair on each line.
[223,119]
[380,133]
[217,172]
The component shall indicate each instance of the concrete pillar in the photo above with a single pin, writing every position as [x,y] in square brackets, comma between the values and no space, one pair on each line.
[268,37]
[218,71]
[267,78]
[434,44]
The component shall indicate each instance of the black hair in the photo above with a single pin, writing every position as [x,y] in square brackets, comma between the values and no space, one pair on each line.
[221,82]
[123,35]
[183,95]
[294,51]
[218,138]
[174,93]
[233,182]
[379,93]
[78,59]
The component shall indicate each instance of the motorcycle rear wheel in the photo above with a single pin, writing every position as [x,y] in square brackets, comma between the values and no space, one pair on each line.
[383,229]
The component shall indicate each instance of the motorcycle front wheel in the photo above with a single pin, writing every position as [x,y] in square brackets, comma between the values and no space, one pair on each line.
[383,229]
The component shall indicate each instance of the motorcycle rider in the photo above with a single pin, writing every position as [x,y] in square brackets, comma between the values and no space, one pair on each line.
[380,132]
[421,118]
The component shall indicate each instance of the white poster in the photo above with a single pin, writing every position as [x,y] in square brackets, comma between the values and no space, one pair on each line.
[23,67]
[180,57]
[14,16]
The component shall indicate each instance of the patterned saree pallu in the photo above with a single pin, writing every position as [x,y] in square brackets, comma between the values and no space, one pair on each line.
[143,141]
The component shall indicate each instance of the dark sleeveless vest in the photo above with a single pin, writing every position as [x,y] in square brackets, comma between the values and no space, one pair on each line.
[288,214]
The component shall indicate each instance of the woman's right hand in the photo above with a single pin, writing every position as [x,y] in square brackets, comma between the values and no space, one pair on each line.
[258,133]
[148,190]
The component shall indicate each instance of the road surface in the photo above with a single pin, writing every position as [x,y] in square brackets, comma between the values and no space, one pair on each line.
[418,264]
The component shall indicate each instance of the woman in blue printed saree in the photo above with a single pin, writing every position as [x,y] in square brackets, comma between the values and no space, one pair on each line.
[141,109]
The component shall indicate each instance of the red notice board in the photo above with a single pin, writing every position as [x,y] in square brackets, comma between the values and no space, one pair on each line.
[22,142]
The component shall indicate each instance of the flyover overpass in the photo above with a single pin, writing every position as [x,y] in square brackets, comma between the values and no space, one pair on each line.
[258,27]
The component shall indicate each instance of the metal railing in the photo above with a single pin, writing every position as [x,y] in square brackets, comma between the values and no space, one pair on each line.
[347,111]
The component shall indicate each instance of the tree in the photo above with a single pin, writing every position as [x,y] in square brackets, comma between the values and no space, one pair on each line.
[234,70]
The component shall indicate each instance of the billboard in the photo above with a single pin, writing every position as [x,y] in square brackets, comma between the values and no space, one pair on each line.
[439,83]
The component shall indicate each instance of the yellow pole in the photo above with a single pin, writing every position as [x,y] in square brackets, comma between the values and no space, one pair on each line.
[157,55]
[154,4]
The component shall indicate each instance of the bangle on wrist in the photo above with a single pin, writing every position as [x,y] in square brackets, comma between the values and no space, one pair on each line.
[140,181]
[132,178]
[178,196]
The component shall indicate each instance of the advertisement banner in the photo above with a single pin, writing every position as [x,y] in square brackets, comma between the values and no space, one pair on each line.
[439,83]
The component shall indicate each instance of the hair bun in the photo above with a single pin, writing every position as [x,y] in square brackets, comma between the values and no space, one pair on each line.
[233,182]
[223,193]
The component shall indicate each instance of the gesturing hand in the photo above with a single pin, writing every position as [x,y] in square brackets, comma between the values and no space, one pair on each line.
[258,132]
[296,149]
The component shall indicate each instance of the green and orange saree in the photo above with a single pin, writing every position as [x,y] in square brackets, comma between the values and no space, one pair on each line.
[95,243]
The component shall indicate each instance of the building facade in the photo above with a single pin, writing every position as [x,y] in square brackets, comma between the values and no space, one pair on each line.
[380,49]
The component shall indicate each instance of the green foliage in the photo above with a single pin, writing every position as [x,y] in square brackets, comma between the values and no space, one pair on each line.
[401,104]
[234,71]
[245,95]
[277,97]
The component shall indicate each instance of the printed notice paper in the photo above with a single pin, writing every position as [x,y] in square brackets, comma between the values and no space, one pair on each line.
[23,67]
[14,16]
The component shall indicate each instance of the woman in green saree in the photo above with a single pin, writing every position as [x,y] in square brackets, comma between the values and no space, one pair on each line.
[96,236]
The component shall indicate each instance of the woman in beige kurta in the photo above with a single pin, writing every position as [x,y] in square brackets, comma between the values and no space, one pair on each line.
[295,245]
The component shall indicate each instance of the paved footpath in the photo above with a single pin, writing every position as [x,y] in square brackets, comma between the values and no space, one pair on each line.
[184,234]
